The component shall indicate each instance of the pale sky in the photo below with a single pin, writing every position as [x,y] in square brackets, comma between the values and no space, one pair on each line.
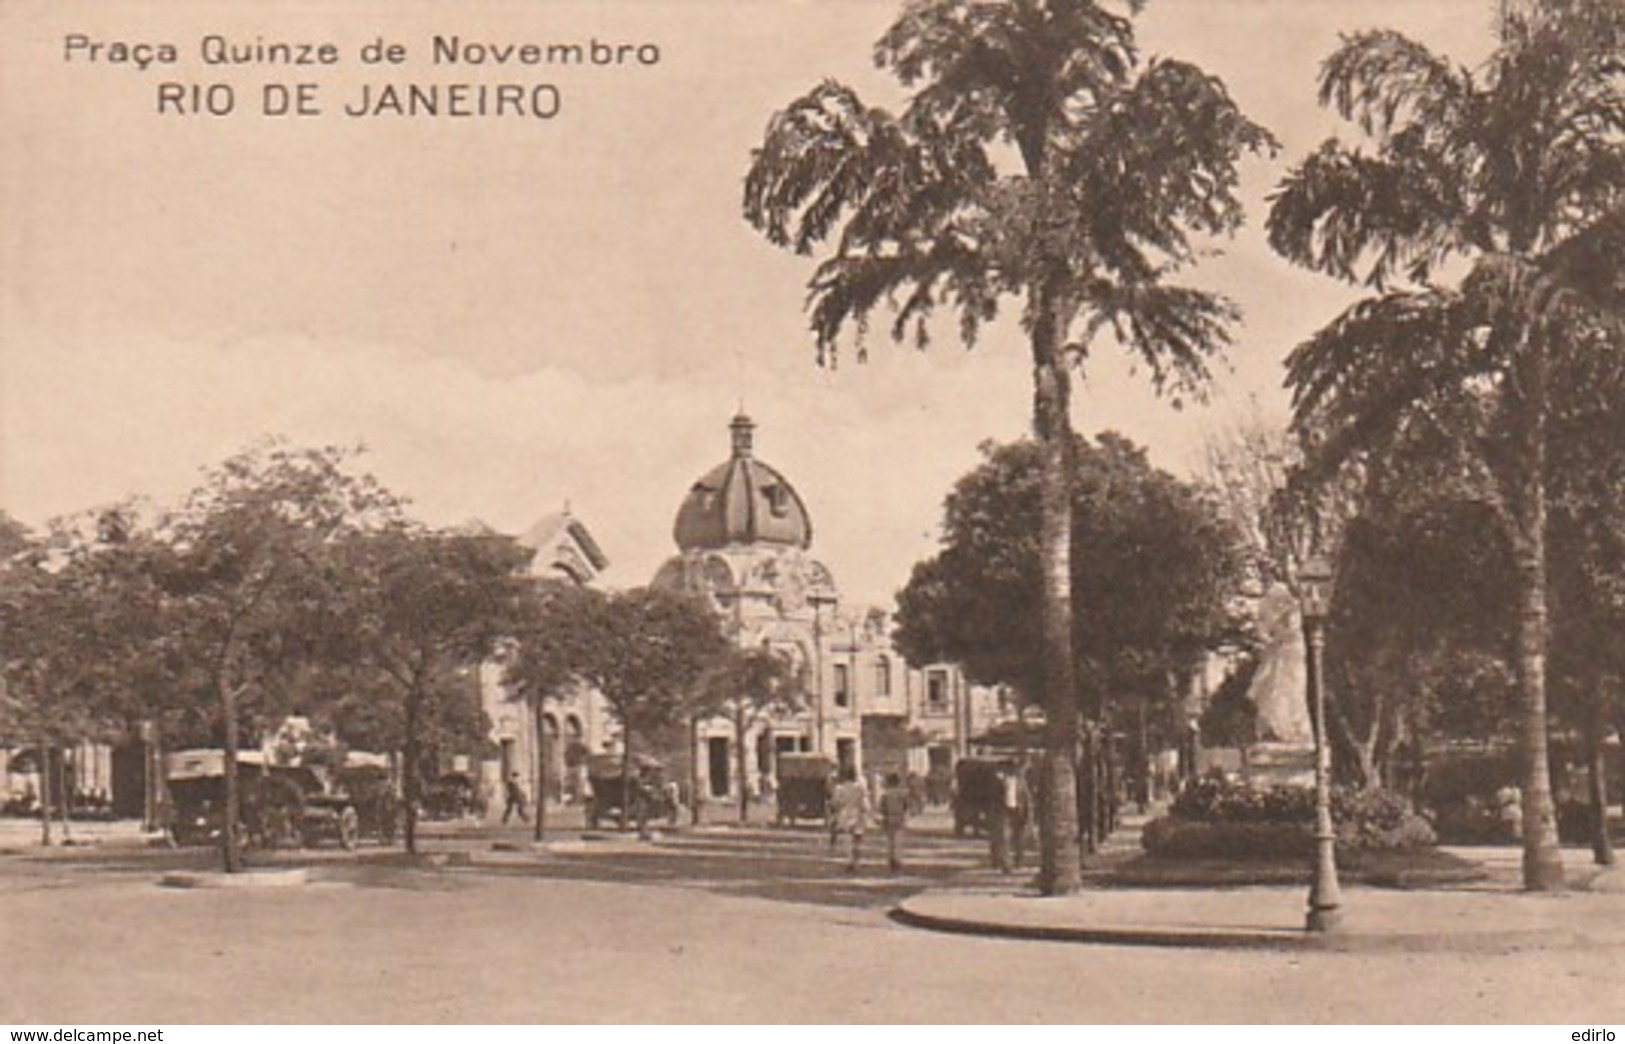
[514,313]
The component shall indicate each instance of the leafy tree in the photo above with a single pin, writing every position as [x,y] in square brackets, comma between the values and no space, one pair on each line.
[1153,559]
[1420,630]
[427,606]
[1254,471]
[1588,581]
[1513,174]
[246,568]
[15,537]
[644,650]
[749,686]
[1037,159]
[546,657]
[79,590]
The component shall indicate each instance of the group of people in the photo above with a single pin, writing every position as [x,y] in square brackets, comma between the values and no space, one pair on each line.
[851,811]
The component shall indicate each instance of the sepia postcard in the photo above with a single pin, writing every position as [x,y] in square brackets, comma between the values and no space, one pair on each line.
[746,300]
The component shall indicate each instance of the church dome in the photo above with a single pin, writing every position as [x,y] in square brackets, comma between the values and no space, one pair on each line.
[742,501]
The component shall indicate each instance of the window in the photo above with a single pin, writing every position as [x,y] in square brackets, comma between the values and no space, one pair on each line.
[843,685]
[883,676]
[778,500]
[936,691]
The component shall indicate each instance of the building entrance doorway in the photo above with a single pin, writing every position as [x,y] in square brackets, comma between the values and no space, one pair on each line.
[716,749]
[846,755]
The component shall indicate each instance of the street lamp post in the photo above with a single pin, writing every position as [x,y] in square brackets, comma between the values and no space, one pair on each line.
[1325,896]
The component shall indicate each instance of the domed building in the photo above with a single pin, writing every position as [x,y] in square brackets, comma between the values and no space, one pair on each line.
[744,541]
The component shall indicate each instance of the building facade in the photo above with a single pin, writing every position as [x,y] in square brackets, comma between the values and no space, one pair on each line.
[573,725]
[744,541]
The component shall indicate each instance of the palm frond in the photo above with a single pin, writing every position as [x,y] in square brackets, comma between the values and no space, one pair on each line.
[1382,80]
[1590,263]
[1007,69]
[1363,218]
[1174,330]
[1355,381]
[847,289]
[1157,163]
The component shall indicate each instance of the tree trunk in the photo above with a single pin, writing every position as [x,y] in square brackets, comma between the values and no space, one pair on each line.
[64,797]
[1542,859]
[411,781]
[1060,866]
[626,777]
[743,759]
[694,770]
[541,773]
[230,842]
[1084,793]
[45,791]
[1602,846]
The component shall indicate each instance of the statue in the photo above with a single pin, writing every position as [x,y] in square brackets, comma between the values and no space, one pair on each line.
[1279,687]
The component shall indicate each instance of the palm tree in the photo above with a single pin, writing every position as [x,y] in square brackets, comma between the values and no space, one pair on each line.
[1510,178]
[1036,158]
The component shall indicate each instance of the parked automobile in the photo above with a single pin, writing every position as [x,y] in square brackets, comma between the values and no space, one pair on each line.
[378,810]
[612,792]
[455,795]
[804,787]
[978,793]
[196,780]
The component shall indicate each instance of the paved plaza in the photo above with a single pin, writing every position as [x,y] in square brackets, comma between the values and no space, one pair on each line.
[718,925]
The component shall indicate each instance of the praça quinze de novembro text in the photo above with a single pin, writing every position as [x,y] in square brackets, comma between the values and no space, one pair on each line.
[395,98]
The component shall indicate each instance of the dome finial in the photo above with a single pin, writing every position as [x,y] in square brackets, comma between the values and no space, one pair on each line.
[742,427]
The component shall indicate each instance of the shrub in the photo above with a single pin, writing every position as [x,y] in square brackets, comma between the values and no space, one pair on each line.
[1214,819]
[1172,838]
[1463,795]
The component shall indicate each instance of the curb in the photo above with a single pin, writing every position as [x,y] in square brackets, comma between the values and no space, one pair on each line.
[292,878]
[1346,941]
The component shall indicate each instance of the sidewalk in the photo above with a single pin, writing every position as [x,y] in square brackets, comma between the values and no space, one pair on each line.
[18,834]
[1492,915]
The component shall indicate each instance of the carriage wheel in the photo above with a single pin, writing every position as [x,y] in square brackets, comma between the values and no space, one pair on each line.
[349,828]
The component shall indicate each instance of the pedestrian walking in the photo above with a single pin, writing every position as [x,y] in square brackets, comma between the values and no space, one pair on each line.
[849,815]
[895,802]
[516,800]
[1010,814]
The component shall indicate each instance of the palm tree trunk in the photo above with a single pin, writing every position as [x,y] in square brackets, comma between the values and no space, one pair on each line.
[1060,869]
[1542,859]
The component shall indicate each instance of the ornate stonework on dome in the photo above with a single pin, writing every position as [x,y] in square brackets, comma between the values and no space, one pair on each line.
[752,581]
[742,501]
